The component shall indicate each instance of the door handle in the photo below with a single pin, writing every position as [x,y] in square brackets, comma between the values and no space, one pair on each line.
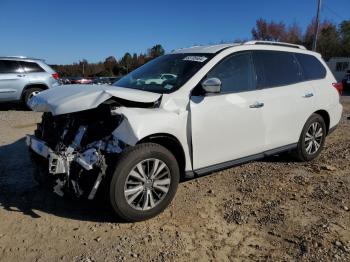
[307,95]
[21,75]
[257,105]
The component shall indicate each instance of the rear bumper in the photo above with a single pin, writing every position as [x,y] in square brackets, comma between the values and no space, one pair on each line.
[335,114]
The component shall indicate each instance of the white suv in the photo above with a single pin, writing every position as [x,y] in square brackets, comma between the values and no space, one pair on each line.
[226,105]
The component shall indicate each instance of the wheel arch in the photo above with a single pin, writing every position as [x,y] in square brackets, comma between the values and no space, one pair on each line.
[37,85]
[325,115]
[171,143]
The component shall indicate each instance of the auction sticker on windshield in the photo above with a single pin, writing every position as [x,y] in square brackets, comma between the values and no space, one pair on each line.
[195,58]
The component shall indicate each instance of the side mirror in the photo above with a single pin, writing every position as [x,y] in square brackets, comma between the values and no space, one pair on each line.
[212,85]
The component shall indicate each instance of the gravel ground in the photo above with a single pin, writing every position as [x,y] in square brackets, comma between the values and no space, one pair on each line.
[271,210]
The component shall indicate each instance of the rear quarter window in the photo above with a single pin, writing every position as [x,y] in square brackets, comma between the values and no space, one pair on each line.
[312,67]
[275,68]
[31,67]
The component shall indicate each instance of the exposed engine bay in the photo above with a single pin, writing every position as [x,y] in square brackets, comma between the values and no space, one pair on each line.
[78,146]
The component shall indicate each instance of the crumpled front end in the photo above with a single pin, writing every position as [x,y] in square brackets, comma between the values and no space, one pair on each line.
[77,148]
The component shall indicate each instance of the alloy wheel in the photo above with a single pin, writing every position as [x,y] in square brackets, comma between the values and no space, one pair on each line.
[147,184]
[313,138]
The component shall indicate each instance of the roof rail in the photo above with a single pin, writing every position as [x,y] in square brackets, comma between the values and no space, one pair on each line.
[20,57]
[258,42]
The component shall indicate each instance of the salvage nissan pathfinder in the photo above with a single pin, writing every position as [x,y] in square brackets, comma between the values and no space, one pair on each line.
[221,106]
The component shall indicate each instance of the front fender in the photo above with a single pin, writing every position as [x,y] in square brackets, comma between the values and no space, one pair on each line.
[139,123]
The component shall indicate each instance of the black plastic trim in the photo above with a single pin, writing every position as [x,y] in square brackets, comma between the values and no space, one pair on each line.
[189,174]
[210,169]
[332,129]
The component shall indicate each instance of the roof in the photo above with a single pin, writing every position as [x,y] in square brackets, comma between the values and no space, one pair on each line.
[212,49]
[209,49]
[20,58]
[274,43]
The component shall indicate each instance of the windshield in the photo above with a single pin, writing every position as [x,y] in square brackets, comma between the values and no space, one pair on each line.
[164,74]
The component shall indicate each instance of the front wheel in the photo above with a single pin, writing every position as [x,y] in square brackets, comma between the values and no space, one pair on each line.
[144,182]
[312,139]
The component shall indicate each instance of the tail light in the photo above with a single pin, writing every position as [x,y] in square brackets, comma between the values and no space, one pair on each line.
[339,87]
[55,75]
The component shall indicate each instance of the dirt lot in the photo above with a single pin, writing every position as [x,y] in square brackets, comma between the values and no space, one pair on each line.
[274,210]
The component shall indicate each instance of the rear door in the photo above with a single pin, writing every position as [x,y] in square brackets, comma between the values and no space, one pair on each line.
[228,125]
[12,79]
[315,74]
[288,100]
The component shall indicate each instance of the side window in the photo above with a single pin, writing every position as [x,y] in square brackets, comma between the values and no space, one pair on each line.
[276,68]
[9,67]
[236,73]
[30,67]
[312,67]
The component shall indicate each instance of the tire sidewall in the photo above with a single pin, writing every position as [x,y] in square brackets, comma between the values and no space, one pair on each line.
[314,118]
[125,165]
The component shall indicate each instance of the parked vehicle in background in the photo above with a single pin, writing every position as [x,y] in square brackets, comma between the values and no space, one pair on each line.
[79,80]
[100,81]
[225,105]
[85,81]
[346,82]
[21,78]
[339,66]
[158,79]
[64,81]
[114,79]
[74,79]
[105,80]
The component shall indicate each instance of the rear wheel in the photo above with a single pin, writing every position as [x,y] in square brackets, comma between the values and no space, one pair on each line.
[29,93]
[312,139]
[144,182]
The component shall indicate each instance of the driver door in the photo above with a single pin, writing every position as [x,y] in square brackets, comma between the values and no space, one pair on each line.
[228,125]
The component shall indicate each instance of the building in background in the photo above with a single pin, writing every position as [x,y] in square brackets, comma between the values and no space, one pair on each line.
[339,66]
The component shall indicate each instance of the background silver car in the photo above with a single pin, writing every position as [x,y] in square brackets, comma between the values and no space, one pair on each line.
[21,78]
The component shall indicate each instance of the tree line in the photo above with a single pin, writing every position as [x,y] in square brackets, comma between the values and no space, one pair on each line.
[111,66]
[333,41]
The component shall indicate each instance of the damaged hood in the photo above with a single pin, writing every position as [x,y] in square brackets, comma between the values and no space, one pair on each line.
[74,98]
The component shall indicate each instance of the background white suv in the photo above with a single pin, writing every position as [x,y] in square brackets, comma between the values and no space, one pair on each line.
[21,78]
[225,105]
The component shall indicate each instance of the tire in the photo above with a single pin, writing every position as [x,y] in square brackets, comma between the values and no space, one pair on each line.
[303,152]
[142,155]
[29,93]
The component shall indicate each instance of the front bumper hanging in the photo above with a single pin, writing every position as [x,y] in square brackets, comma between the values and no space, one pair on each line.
[60,164]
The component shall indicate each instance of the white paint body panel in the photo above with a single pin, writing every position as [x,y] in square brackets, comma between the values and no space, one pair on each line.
[285,111]
[224,127]
[75,98]
[140,123]
[328,98]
